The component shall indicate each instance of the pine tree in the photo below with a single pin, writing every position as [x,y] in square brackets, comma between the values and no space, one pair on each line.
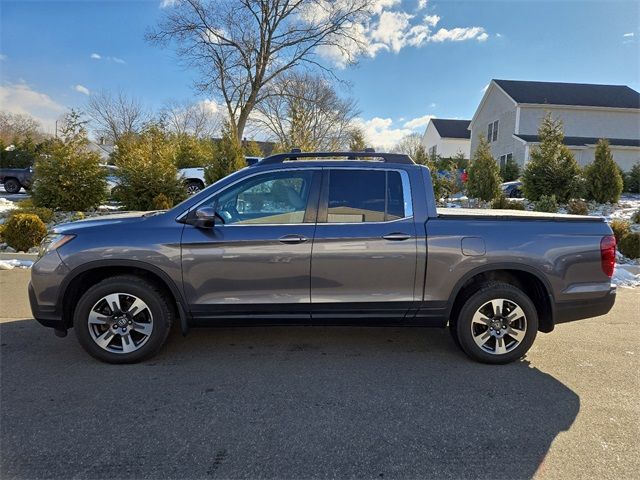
[229,157]
[511,171]
[252,149]
[552,169]
[604,181]
[357,142]
[68,175]
[147,168]
[484,175]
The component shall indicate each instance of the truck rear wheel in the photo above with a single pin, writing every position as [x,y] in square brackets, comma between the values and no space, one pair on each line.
[497,324]
[123,319]
[194,186]
[11,185]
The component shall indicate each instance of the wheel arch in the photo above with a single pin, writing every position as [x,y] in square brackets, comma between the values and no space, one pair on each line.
[82,278]
[528,279]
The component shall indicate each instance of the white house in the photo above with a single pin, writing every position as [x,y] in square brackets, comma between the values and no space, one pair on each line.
[447,138]
[511,111]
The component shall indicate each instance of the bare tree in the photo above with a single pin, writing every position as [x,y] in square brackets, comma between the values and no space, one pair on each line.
[411,145]
[240,47]
[304,110]
[15,127]
[114,115]
[197,119]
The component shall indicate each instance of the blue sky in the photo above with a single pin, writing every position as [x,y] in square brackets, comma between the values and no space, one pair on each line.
[46,53]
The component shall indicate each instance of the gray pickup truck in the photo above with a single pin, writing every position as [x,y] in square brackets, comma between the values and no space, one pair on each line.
[14,179]
[326,239]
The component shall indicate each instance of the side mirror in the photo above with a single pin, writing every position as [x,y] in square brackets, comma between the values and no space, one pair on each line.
[204,217]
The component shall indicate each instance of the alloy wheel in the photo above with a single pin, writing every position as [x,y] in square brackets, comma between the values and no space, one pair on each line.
[120,323]
[499,326]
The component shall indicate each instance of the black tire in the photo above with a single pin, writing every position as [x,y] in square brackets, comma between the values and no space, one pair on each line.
[159,307]
[12,186]
[453,331]
[476,301]
[194,186]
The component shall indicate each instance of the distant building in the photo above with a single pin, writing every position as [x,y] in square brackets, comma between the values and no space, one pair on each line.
[447,138]
[102,148]
[511,111]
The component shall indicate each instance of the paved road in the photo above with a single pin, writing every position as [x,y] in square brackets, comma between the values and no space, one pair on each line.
[321,403]
[14,197]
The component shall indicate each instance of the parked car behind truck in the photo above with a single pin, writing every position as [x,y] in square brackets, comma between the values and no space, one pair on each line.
[323,238]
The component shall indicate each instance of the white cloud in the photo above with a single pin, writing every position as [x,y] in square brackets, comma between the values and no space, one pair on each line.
[419,122]
[459,34]
[21,98]
[3,57]
[210,105]
[81,89]
[168,3]
[380,132]
[629,35]
[498,35]
[383,134]
[97,56]
[431,20]
[389,28]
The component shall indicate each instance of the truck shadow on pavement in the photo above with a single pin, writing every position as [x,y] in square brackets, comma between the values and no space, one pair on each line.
[301,402]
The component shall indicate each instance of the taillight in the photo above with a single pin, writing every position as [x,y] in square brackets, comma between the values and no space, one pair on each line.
[608,254]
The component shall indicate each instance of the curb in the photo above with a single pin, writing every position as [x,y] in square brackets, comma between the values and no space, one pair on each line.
[18,256]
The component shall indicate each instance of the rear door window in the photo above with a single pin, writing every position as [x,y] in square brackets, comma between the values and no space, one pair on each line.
[362,196]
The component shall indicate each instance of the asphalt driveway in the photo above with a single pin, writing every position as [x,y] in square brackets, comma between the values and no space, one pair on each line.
[320,403]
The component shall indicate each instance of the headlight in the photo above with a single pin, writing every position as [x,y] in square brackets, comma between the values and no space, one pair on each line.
[52,242]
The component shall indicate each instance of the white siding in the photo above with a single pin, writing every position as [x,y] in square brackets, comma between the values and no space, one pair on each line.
[626,158]
[445,147]
[584,122]
[497,106]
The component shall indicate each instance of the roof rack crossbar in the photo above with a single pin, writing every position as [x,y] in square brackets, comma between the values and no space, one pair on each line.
[369,153]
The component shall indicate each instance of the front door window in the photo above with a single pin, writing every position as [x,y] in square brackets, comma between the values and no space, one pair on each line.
[273,198]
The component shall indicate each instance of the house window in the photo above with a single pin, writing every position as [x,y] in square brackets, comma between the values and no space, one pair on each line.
[433,150]
[492,132]
[503,160]
[509,157]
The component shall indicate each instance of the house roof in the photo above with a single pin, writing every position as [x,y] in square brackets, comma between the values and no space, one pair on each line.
[452,128]
[575,94]
[581,141]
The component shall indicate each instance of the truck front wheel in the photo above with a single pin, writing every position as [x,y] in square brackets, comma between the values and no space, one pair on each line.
[123,319]
[497,324]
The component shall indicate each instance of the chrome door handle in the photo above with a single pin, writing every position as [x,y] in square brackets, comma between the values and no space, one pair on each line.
[293,239]
[397,236]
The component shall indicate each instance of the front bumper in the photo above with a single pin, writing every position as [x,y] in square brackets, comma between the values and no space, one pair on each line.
[47,277]
[47,315]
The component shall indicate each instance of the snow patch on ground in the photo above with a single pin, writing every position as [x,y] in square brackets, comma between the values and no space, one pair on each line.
[624,276]
[11,264]
[6,205]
